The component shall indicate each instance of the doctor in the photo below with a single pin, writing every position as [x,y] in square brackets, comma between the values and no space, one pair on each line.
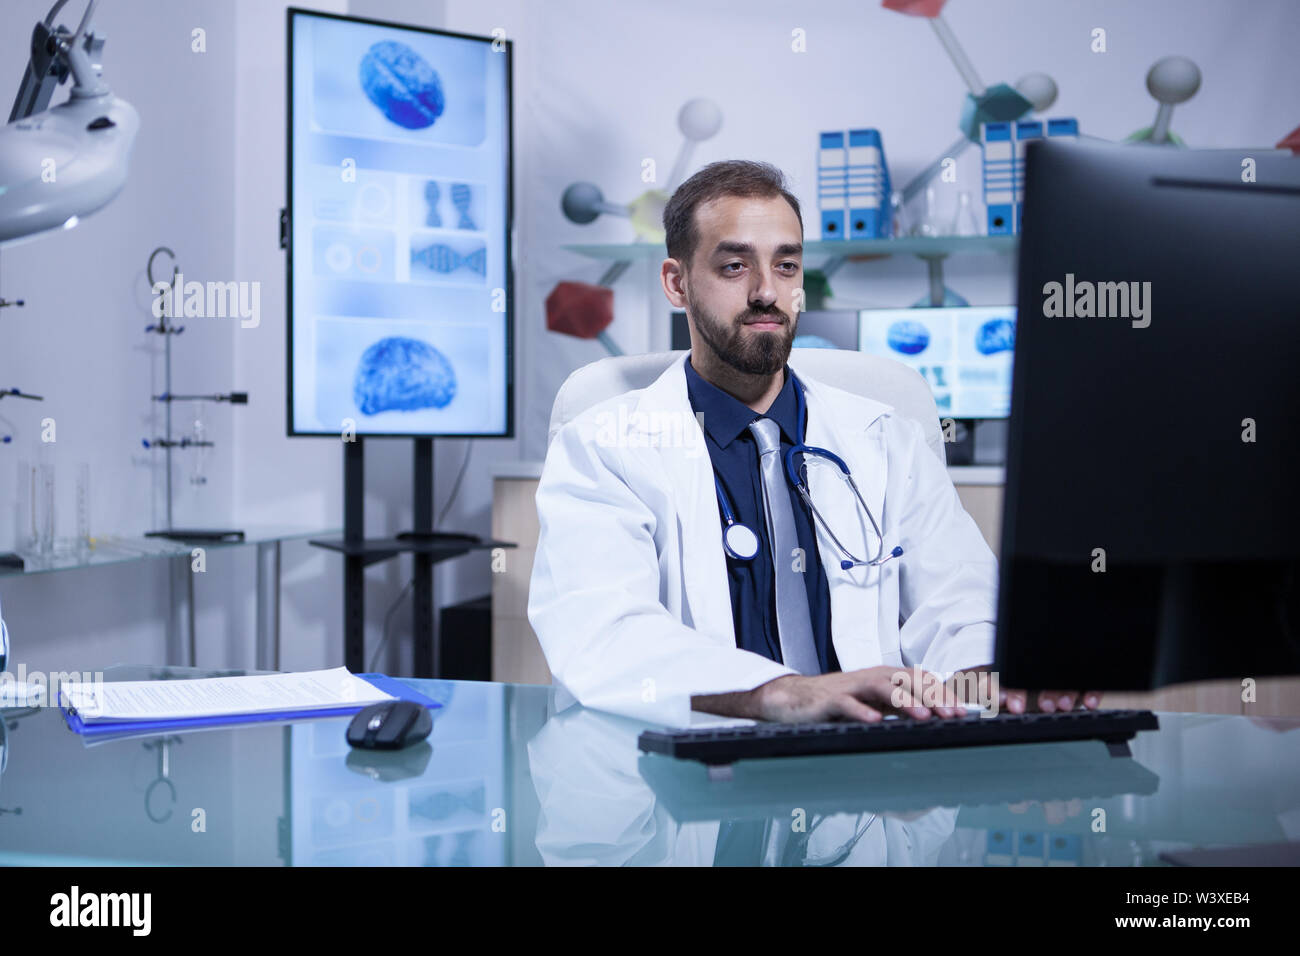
[814,605]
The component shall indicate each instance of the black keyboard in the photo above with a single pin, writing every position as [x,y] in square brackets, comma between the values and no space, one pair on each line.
[723,745]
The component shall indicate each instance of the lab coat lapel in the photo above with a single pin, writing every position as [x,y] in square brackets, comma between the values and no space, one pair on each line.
[846,428]
[667,409]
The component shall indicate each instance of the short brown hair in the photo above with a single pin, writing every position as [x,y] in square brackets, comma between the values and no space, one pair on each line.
[731,177]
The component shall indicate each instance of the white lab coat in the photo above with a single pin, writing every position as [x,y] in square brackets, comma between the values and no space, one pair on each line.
[629,595]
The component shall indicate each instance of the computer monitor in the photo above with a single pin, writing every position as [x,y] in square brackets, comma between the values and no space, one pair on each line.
[964,354]
[1151,528]
[398,230]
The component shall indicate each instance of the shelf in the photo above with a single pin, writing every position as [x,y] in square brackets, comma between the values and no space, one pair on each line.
[834,248]
[373,550]
[116,549]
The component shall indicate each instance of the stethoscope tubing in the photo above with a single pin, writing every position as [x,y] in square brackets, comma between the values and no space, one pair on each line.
[849,560]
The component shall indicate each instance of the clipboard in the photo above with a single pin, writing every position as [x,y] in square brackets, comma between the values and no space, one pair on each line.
[389,685]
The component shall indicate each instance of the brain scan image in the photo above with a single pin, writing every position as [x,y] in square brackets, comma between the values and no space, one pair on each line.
[908,337]
[996,335]
[402,84]
[403,374]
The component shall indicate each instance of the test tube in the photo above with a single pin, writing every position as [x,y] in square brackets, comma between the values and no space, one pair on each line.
[83,506]
[45,505]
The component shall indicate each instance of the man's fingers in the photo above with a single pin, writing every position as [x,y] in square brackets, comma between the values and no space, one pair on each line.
[1048,701]
[902,700]
[851,708]
[934,694]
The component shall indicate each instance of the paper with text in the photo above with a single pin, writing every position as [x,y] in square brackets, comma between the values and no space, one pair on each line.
[219,696]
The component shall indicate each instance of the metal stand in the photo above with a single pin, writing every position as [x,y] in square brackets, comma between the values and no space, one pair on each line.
[182,647]
[166,442]
[354,564]
[427,545]
[267,648]
[425,648]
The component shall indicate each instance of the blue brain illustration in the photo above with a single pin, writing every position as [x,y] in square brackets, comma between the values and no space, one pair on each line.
[401,374]
[405,88]
[908,337]
[996,335]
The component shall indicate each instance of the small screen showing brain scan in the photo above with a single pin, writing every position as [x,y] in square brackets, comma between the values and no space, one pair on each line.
[963,353]
[399,224]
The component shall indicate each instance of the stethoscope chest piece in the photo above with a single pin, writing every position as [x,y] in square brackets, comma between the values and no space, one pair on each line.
[740,542]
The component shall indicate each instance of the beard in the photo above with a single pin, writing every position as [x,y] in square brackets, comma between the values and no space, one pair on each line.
[753,353]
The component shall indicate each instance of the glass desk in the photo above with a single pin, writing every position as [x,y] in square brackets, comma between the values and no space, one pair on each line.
[502,780]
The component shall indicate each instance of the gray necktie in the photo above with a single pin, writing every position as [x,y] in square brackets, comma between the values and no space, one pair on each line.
[794,621]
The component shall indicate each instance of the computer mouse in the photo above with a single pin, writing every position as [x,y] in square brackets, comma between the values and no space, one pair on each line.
[391,725]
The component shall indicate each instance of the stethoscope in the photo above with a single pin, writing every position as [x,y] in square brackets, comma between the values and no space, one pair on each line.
[739,540]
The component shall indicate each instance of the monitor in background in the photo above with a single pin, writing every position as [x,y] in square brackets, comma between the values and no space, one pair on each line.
[819,329]
[400,312]
[1151,526]
[964,354]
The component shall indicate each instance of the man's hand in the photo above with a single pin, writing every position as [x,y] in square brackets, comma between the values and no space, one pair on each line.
[1048,701]
[863,695]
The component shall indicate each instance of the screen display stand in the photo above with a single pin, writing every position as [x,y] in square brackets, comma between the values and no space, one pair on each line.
[422,488]
[426,546]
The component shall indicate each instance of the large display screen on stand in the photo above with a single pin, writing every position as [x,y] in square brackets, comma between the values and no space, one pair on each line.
[399,281]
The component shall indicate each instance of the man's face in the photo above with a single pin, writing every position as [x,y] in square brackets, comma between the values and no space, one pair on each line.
[742,281]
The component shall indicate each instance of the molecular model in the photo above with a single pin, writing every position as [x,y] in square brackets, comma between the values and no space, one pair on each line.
[1171,80]
[584,310]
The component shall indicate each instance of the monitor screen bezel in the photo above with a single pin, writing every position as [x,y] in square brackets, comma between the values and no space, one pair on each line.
[291,431]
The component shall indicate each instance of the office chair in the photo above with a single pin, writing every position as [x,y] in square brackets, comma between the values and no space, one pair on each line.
[870,376]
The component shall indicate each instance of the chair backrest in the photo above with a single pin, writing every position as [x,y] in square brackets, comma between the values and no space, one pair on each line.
[868,375]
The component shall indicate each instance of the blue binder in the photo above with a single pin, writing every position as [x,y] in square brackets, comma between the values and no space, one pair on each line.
[389,685]
[832,184]
[999,178]
[868,187]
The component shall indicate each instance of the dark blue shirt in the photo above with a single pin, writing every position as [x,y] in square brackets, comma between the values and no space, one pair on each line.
[733,451]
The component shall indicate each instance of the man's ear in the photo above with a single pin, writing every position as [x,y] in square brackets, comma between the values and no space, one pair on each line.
[673,278]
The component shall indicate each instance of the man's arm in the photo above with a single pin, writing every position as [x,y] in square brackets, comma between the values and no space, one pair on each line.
[594,599]
[867,694]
